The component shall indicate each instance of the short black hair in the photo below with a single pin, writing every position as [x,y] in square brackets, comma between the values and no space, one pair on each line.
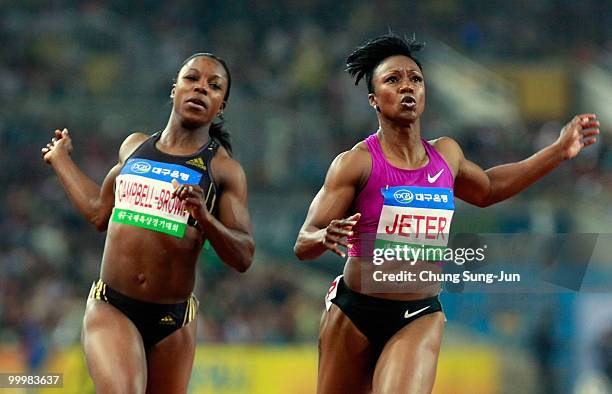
[363,60]
[217,131]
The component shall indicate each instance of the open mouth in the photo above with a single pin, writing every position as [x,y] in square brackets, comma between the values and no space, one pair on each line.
[408,101]
[197,102]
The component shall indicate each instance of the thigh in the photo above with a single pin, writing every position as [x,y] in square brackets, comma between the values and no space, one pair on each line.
[346,361]
[408,362]
[113,350]
[170,361]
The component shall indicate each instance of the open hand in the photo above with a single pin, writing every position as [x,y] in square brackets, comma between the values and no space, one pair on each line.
[61,144]
[336,232]
[580,132]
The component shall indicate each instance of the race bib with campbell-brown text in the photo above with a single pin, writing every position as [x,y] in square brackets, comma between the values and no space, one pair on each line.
[143,196]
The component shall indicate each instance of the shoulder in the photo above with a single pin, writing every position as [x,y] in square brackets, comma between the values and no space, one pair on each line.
[356,158]
[226,168]
[450,151]
[351,166]
[130,144]
[446,145]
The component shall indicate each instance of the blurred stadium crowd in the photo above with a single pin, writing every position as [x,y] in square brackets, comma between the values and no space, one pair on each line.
[104,69]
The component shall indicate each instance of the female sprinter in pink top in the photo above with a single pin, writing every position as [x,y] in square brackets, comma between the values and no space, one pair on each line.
[397,188]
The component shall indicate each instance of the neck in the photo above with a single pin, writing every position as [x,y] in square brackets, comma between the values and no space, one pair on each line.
[178,136]
[403,142]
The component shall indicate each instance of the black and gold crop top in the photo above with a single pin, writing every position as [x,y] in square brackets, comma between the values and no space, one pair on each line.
[143,188]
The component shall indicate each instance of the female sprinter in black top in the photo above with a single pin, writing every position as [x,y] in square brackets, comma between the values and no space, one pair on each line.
[372,340]
[167,195]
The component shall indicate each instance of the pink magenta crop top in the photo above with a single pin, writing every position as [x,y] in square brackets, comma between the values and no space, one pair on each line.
[369,202]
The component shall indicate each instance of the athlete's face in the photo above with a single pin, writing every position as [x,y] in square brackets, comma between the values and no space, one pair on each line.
[198,95]
[399,89]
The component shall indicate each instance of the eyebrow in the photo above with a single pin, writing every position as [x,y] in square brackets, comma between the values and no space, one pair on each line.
[397,70]
[196,70]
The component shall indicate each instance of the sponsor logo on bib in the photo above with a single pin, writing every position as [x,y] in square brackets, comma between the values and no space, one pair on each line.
[403,196]
[141,167]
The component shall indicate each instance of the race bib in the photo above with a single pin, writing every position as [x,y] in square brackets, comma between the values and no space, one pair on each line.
[417,217]
[143,196]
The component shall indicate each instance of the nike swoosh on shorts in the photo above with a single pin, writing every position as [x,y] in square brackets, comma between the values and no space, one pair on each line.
[408,315]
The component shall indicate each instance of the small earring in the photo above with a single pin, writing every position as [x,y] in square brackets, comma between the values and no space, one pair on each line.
[220,115]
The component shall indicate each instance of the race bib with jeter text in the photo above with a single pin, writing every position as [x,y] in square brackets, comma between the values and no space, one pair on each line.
[417,217]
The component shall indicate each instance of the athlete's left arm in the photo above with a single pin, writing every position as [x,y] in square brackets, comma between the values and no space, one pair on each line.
[484,188]
[231,234]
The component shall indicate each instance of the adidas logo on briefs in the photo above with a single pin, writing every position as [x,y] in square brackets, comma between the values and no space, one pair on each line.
[167,321]
[197,162]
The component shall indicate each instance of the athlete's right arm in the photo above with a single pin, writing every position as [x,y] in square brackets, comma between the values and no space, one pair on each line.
[94,202]
[326,226]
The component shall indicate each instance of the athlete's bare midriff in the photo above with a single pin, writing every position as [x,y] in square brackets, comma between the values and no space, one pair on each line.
[358,276]
[148,265]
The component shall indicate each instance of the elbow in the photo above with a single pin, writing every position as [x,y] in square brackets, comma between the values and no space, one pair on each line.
[298,248]
[300,253]
[485,200]
[309,245]
[244,264]
[301,256]
[101,225]
[96,216]
[246,259]
[483,203]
